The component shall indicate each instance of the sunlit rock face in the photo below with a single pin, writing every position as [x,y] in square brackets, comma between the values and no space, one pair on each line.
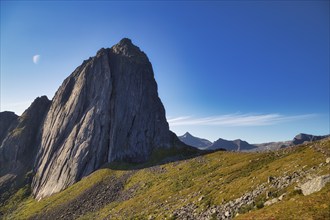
[107,109]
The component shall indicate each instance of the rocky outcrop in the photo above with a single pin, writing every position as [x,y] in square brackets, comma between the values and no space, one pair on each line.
[108,109]
[6,119]
[18,149]
[191,140]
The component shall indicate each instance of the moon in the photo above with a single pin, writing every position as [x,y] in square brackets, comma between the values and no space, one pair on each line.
[36,59]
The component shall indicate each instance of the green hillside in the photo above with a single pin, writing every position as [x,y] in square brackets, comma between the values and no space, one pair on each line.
[211,186]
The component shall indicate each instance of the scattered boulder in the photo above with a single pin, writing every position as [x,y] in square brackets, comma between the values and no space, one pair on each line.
[327,160]
[268,194]
[270,179]
[281,196]
[270,202]
[315,184]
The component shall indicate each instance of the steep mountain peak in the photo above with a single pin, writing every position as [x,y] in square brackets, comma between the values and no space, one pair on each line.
[108,109]
[126,48]
[187,134]
[125,41]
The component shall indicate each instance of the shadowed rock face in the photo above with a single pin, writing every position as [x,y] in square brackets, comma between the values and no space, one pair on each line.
[107,109]
[18,149]
[6,119]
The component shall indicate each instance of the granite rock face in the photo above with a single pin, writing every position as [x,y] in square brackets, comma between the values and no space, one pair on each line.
[108,109]
[18,149]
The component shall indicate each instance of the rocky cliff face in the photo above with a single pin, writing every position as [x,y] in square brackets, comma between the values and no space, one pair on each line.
[108,109]
[18,149]
[7,119]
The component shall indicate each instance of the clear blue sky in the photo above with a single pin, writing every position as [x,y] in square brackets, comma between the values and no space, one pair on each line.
[255,70]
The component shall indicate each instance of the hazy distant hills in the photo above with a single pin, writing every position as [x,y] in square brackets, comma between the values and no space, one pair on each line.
[240,145]
[235,145]
[204,144]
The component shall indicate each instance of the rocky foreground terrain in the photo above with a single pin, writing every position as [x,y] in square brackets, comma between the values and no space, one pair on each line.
[291,183]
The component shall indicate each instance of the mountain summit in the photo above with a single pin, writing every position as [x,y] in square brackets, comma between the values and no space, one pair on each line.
[107,110]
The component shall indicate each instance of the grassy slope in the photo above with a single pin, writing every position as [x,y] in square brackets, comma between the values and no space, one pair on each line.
[206,180]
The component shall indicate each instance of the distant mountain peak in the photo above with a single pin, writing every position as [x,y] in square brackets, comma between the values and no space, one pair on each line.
[197,142]
[187,134]
[235,145]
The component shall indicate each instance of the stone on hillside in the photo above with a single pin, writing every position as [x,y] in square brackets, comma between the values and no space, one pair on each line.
[315,184]
[270,179]
[270,202]
[281,196]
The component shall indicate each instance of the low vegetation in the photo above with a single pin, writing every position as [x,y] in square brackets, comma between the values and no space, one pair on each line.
[156,191]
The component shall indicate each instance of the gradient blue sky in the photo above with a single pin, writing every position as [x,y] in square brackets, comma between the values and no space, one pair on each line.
[255,70]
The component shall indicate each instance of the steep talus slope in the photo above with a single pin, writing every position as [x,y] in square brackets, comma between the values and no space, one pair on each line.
[6,118]
[219,185]
[108,109]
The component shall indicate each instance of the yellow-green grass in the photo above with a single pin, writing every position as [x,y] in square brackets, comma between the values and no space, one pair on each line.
[205,180]
[30,206]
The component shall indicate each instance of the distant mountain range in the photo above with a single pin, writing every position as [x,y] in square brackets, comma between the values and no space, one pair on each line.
[240,145]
